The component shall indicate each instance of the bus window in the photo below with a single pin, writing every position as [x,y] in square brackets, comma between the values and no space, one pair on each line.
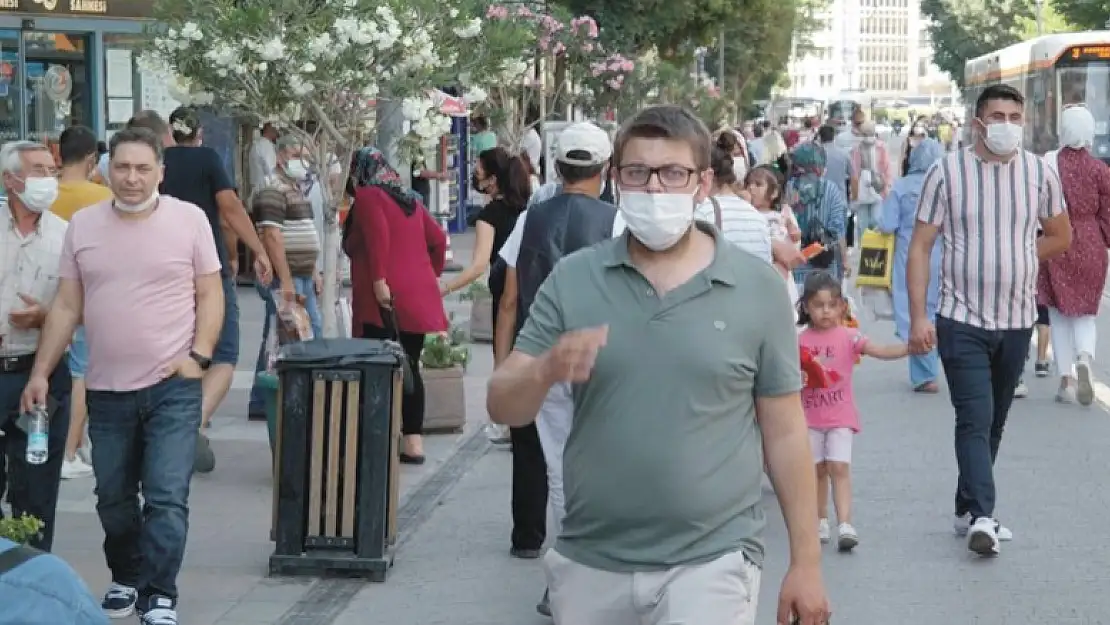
[1087,85]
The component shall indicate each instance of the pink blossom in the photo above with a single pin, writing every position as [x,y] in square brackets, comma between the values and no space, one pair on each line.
[497,12]
[614,84]
[559,48]
[627,66]
[587,22]
[588,47]
[550,24]
[713,91]
[524,12]
[545,43]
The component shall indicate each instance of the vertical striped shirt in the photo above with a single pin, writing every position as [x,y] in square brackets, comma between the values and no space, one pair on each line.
[741,225]
[988,214]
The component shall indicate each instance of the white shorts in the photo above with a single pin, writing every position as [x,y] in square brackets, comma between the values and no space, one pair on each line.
[833,445]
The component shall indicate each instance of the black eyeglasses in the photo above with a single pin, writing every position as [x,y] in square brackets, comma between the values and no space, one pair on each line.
[670,176]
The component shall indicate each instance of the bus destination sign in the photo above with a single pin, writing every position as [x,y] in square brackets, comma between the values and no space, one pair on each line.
[1088,53]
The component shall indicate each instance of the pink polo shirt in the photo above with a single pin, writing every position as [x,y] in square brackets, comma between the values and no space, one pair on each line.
[140,292]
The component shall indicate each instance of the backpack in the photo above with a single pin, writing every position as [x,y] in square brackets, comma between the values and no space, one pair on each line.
[16,556]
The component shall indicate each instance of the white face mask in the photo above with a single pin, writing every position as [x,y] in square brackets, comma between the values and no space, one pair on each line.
[296,169]
[1003,138]
[39,193]
[136,208]
[658,220]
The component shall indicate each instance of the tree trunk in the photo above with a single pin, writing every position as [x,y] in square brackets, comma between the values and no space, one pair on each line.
[330,296]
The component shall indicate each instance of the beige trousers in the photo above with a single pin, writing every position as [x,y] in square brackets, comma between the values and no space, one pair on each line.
[722,592]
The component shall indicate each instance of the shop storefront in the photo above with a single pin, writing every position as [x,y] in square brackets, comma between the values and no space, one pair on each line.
[66,62]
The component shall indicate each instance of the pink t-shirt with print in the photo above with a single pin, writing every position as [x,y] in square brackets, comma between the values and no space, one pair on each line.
[140,291]
[837,350]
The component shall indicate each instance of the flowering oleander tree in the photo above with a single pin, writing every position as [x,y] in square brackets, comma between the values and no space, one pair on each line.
[567,50]
[327,61]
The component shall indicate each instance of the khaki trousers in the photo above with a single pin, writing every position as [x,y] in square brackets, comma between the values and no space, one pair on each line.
[722,592]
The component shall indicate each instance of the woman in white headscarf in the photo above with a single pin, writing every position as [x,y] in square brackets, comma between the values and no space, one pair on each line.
[1071,284]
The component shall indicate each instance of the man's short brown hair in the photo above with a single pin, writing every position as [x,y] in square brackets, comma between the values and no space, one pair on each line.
[150,120]
[666,122]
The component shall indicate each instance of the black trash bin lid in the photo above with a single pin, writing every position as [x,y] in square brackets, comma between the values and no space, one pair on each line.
[340,352]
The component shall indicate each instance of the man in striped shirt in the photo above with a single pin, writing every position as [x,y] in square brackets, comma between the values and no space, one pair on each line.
[985,202]
[283,213]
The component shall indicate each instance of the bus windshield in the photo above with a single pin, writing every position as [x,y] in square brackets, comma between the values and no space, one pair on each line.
[1088,85]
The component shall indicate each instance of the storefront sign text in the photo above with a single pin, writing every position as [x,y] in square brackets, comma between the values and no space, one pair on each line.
[99,8]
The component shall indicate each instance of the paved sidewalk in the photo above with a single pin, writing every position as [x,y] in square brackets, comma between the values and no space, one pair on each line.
[909,568]
[224,576]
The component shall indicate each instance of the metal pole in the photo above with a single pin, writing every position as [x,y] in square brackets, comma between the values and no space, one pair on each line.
[1040,17]
[721,60]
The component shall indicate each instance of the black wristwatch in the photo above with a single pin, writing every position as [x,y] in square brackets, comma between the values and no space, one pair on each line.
[204,362]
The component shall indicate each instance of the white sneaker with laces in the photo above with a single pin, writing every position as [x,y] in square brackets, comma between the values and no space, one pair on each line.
[961,525]
[982,537]
[159,612]
[846,537]
[75,469]
[1021,391]
[823,531]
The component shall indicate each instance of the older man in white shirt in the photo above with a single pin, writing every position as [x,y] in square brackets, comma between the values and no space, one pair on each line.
[263,155]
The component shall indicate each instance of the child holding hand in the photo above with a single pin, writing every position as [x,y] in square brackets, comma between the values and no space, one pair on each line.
[830,411]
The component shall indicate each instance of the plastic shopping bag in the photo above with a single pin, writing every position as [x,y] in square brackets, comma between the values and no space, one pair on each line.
[344,317]
[876,259]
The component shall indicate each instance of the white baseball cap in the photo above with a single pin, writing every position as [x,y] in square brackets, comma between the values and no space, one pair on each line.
[583,137]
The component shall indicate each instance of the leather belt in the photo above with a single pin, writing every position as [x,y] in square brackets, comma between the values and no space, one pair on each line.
[17,364]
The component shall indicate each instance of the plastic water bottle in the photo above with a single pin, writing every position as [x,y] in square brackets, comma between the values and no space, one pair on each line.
[38,436]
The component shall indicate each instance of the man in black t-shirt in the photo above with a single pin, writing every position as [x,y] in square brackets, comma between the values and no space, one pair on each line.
[422,178]
[195,174]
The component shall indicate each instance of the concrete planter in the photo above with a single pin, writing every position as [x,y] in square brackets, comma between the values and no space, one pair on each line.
[481,319]
[444,400]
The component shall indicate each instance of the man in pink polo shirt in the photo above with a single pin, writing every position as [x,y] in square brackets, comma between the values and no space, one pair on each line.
[143,271]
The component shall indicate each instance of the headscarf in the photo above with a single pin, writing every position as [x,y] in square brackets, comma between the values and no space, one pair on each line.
[371,169]
[807,167]
[773,147]
[924,155]
[791,138]
[1077,128]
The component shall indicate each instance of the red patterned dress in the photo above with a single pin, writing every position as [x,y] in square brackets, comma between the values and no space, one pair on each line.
[1072,282]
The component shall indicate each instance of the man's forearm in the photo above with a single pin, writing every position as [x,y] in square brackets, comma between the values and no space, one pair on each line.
[240,223]
[210,320]
[515,394]
[275,248]
[917,281]
[791,472]
[57,333]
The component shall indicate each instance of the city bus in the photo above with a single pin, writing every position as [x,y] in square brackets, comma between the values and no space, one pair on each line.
[1053,72]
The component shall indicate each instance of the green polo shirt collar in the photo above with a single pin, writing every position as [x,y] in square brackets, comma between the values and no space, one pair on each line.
[616,255]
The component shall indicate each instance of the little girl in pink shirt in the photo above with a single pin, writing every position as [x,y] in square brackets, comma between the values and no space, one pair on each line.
[831,411]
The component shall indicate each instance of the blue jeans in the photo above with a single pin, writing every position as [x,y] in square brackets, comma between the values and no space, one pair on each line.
[924,368]
[33,488]
[146,437]
[227,346]
[983,368]
[304,286]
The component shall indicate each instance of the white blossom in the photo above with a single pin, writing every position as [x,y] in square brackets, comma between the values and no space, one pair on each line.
[514,68]
[475,94]
[415,108]
[308,67]
[191,31]
[322,47]
[223,55]
[272,50]
[470,30]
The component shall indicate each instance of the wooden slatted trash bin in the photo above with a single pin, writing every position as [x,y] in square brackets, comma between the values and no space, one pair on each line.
[335,466]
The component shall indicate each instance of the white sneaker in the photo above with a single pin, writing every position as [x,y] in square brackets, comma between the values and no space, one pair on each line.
[823,531]
[75,469]
[846,537]
[1021,391]
[982,537]
[1086,392]
[962,524]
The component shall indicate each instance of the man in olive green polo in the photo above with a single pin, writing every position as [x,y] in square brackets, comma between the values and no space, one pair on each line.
[684,360]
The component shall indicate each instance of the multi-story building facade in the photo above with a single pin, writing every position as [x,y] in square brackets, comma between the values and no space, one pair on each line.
[878,46]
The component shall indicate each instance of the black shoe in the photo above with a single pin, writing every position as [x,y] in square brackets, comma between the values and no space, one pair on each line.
[411,458]
[256,415]
[205,460]
[525,554]
[1041,368]
[544,606]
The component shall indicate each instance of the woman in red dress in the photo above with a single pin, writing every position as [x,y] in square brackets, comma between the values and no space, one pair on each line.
[397,252]
[1071,284]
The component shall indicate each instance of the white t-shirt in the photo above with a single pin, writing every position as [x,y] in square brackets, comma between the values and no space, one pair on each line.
[511,249]
[262,161]
[531,145]
[741,224]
